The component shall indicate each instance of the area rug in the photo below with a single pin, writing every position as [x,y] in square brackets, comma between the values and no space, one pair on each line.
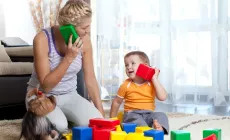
[10,129]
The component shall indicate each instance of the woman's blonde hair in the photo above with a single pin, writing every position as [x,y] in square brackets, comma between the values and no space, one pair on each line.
[74,12]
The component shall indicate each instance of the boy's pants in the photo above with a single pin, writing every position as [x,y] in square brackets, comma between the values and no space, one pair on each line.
[146,118]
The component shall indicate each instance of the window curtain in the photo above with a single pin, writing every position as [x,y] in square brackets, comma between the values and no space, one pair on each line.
[186,40]
[44,12]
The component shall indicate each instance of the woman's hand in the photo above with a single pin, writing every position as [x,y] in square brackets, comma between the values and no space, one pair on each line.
[72,50]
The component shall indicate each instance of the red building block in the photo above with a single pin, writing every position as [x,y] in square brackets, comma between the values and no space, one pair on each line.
[211,137]
[102,133]
[103,123]
[146,72]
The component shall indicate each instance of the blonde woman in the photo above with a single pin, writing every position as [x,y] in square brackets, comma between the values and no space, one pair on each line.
[56,66]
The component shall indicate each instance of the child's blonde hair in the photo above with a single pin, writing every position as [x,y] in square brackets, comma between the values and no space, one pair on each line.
[141,54]
[74,12]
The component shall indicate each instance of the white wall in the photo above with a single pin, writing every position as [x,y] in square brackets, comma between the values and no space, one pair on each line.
[16,20]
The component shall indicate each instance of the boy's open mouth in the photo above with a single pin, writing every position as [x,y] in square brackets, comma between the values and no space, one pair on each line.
[131,71]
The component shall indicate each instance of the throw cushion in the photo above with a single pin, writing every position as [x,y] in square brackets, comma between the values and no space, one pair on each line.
[20,51]
[15,68]
[3,55]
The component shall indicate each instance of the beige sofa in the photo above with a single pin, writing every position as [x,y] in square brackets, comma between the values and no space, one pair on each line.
[14,76]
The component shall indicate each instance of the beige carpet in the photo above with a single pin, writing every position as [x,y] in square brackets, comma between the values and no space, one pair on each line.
[10,130]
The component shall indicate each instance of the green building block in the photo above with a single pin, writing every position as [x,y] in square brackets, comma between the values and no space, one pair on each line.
[180,135]
[208,132]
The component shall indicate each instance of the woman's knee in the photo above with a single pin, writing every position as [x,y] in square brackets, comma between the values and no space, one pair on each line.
[61,126]
[83,122]
[58,119]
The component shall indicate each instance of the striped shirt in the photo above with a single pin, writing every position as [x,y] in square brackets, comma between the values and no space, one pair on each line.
[69,81]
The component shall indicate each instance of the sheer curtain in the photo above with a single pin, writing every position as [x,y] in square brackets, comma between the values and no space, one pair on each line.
[187,40]
[44,12]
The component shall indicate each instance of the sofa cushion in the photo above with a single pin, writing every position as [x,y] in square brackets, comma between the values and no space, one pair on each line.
[3,55]
[15,68]
[20,51]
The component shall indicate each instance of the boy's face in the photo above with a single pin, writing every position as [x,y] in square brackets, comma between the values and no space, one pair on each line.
[131,65]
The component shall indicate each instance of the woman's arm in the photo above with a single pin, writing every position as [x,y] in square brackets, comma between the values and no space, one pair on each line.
[89,74]
[48,79]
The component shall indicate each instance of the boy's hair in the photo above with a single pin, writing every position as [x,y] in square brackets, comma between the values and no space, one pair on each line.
[141,54]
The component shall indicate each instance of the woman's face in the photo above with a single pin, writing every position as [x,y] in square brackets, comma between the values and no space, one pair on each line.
[84,27]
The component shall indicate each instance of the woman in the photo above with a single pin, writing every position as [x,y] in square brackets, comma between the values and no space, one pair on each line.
[56,66]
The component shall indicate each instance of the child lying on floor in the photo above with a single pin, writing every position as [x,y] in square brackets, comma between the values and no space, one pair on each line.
[35,126]
[139,96]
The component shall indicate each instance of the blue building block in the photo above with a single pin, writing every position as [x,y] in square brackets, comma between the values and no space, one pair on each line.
[155,134]
[82,133]
[129,127]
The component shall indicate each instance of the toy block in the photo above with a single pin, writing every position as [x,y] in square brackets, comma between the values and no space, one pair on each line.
[118,135]
[114,118]
[82,133]
[180,135]
[102,133]
[118,128]
[134,136]
[137,136]
[68,136]
[129,127]
[155,134]
[146,72]
[211,137]
[141,129]
[100,122]
[149,138]
[120,116]
[208,132]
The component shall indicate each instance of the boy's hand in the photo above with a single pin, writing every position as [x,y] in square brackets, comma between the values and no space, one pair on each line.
[157,72]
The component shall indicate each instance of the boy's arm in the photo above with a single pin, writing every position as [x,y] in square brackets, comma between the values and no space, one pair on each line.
[117,101]
[161,93]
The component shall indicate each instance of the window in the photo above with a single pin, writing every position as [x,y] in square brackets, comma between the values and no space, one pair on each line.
[187,40]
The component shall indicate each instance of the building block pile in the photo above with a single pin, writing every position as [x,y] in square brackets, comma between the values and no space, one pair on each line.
[112,129]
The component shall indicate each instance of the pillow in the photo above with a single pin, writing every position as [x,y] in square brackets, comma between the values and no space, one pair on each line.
[20,51]
[3,55]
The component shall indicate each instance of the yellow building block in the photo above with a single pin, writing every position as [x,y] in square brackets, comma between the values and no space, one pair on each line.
[118,135]
[118,128]
[68,136]
[114,118]
[141,129]
[120,116]
[135,136]
[149,138]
